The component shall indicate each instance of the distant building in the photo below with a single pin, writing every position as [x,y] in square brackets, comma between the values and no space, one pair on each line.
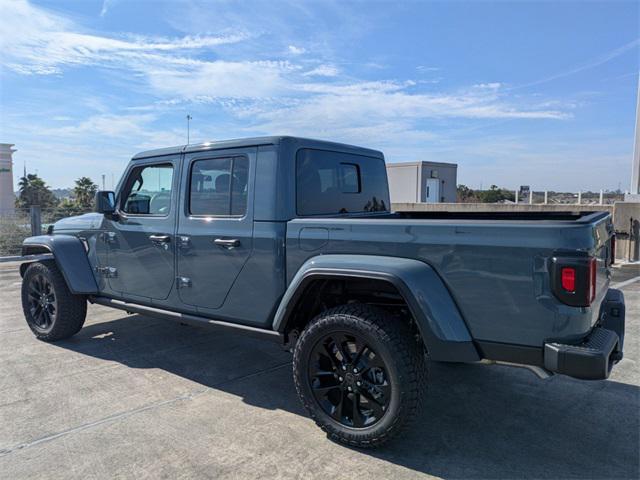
[422,182]
[7,197]
[524,192]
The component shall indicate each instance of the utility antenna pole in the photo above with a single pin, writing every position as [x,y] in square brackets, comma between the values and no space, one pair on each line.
[189,118]
[103,175]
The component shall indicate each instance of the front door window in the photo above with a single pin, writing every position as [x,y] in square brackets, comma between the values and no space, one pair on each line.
[148,190]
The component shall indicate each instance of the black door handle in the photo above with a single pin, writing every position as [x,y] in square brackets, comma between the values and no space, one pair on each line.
[227,243]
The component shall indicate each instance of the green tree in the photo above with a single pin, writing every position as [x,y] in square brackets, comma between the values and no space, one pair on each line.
[466,194]
[34,191]
[85,192]
[66,208]
[496,194]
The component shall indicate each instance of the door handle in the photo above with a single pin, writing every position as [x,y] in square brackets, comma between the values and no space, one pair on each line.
[227,243]
[160,238]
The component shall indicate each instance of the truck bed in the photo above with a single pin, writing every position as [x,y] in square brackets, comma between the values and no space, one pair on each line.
[494,264]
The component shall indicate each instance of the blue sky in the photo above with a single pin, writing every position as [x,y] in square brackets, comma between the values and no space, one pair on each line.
[538,93]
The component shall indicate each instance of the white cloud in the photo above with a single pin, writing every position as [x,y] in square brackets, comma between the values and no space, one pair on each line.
[323,71]
[222,79]
[488,86]
[425,69]
[376,102]
[48,42]
[106,125]
[137,130]
[106,5]
[293,50]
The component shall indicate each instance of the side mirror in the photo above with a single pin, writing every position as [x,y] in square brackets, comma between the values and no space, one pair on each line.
[105,202]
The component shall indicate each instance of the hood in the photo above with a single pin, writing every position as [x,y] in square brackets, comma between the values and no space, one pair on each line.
[88,221]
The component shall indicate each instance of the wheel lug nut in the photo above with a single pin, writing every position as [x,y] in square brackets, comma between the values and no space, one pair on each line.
[349,388]
[340,378]
[344,367]
[355,370]
[358,383]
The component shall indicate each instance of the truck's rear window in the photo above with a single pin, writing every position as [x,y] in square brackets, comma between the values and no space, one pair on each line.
[335,183]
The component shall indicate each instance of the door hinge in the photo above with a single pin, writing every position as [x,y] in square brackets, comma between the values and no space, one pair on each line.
[107,272]
[183,282]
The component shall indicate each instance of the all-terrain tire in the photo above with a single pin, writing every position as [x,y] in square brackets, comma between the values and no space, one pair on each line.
[65,312]
[405,367]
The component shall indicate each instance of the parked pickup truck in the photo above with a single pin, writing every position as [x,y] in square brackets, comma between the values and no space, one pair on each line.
[293,239]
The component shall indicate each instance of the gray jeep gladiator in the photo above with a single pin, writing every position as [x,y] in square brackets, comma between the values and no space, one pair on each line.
[293,239]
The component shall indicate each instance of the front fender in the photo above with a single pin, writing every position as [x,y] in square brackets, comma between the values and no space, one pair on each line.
[70,257]
[441,325]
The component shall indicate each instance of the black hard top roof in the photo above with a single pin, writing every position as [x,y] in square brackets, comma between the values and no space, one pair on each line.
[254,142]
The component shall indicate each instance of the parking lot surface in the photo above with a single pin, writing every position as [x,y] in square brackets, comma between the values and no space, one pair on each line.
[135,397]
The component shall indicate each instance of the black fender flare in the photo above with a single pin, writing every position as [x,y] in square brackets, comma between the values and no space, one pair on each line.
[70,256]
[442,327]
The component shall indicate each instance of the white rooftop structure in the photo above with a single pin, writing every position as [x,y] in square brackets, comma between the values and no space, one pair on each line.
[7,197]
[422,182]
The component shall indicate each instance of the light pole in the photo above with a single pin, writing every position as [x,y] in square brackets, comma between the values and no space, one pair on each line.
[189,117]
[635,165]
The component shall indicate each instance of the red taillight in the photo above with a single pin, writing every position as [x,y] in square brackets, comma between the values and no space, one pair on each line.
[568,279]
[592,279]
[574,278]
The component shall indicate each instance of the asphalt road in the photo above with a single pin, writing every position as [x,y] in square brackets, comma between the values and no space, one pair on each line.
[134,397]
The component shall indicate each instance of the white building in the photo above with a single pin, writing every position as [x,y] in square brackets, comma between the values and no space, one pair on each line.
[422,182]
[7,197]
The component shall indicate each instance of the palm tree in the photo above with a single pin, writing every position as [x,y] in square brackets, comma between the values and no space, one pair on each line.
[34,191]
[85,191]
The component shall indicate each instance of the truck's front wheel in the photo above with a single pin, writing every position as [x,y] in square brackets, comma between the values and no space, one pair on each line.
[360,373]
[51,310]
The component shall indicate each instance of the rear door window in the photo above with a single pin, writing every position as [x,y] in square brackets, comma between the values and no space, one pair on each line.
[338,183]
[218,187]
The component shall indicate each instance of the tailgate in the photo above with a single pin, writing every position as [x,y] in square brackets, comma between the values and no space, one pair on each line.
[580,278]
[603,234]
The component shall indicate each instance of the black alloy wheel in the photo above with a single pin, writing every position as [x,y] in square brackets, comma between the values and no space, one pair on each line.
[349,380]
[51,310]
[43,305]
[360,372]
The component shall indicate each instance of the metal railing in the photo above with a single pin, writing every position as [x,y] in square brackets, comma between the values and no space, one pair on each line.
[22,223]
[563,198]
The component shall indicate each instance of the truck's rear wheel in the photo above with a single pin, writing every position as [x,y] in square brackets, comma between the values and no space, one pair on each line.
[360,373]
[51,310]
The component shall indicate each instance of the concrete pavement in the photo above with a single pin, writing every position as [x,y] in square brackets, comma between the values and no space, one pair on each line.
[134,397]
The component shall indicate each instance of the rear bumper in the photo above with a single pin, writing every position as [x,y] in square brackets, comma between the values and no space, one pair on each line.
[595,356]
